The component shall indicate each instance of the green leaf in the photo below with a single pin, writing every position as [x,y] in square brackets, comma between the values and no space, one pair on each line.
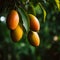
[44,11]
[25,18]
[58,4]
[31,9]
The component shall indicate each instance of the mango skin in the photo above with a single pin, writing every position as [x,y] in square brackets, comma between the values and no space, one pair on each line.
[17,34]
[12,19]
[33,38]
[34,23]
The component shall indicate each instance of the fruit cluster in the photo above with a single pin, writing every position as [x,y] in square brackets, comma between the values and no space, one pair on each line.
[16,30]
[14,25]
[33,36]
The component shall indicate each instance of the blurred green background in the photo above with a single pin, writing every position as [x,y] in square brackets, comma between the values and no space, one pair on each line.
[49,48]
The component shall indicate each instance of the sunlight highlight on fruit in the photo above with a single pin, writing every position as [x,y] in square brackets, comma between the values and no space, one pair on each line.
[12,19]
[33,38]
[17,34]
[34,23]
